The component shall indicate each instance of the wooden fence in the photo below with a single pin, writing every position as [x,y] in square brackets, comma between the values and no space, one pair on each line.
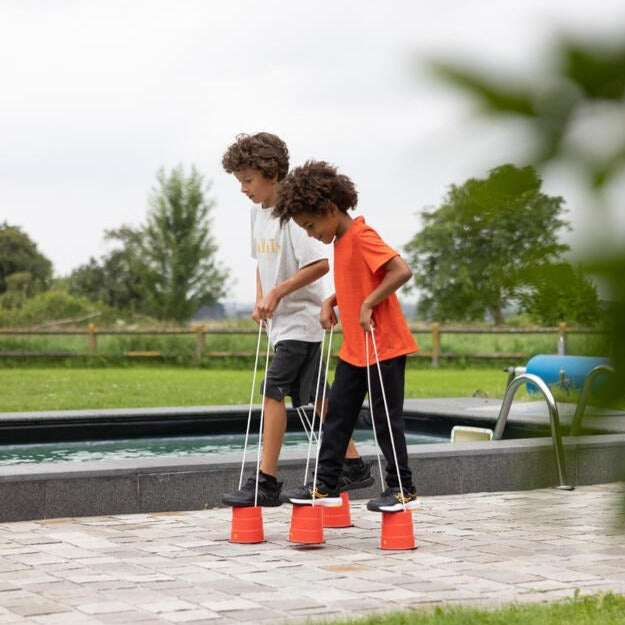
[202,331]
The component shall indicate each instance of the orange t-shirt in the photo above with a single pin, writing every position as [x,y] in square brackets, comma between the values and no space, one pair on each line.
[359,259]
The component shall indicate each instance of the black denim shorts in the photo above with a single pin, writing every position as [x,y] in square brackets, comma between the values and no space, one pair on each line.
[294,371]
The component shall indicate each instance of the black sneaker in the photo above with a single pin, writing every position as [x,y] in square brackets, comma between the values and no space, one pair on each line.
[268,493]
[355,475]
[393,500]
[305,496]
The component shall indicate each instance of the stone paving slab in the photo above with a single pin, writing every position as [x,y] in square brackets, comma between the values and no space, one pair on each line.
[481,549]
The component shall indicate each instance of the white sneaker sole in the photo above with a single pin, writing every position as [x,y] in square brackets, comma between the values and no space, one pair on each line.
[398,507]
[326,502]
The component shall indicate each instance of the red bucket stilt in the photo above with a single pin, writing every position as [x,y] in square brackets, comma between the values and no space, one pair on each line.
[338,516]
[397,530]
[306,525]
[247,525]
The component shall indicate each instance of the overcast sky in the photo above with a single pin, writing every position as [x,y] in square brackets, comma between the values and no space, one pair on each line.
[96,96]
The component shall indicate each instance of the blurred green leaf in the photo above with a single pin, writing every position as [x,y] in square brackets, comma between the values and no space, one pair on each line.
[599,72]
[581,75]
[549,110]
[494,95]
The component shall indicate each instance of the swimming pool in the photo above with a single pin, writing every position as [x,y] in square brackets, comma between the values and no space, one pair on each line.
[112,435]
[163,447]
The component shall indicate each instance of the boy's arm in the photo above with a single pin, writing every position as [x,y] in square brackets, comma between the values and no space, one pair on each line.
[259,295]
[301,278]
[327,317]
[397,273]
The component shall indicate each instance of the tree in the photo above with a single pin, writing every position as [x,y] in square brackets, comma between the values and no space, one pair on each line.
[88,281]
[117,280]
[19,255]
[124,271]
[558,292]
[166,268]
[181,271]
[475,251]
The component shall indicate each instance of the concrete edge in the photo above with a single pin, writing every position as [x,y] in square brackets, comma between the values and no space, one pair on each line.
[44,491]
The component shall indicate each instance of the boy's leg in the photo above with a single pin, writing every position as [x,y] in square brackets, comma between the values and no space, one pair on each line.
[355,473]
[266,492]
[276,384]
[344,403]
[395,498]
[279,380]
[393,372]
[352,452]
[309,388]
[274,427]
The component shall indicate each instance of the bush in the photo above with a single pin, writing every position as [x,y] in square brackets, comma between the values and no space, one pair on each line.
[53,306]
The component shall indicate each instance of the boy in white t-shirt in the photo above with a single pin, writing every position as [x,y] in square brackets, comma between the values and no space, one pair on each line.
[289,294]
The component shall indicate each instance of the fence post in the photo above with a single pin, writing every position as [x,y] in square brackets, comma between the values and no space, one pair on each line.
[562,339]
[200,344]
[436,343]
[92,338]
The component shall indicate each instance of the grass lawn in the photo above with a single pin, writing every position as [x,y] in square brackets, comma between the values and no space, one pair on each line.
[601,609]
[31,389]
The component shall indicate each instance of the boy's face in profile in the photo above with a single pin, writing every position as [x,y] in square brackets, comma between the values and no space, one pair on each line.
[258,188]
[324,228]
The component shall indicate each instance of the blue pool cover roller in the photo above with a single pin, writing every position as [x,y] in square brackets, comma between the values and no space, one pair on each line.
[570,371]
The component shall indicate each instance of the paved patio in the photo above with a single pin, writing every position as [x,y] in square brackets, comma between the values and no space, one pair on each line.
[179,567]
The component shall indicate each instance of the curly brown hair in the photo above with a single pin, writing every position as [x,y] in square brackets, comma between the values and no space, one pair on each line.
[263,151]
[311,188]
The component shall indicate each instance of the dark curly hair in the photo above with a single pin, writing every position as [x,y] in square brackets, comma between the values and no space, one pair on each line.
[263,151]
[311,188]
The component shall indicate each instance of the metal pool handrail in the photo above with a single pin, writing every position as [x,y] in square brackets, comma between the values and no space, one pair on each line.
[554,420]
[576,423]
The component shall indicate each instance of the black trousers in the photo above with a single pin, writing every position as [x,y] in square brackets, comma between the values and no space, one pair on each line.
[345,400]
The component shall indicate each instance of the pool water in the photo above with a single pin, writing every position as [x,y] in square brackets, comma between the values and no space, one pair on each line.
[84,451]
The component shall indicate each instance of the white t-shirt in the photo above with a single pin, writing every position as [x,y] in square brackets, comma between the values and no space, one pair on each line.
[280,251]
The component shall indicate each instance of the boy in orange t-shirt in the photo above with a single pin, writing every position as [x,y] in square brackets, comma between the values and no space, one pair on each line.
[367,272]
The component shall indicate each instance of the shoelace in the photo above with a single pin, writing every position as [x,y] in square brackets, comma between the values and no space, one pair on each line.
[403,498]
[314,493]
[398,494]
